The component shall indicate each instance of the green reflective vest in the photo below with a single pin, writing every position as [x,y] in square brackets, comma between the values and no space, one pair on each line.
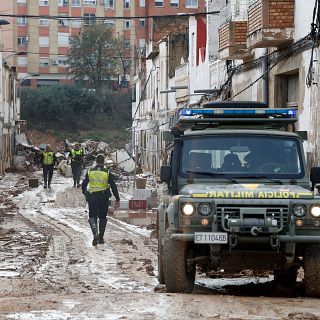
[47,157]
[98,179]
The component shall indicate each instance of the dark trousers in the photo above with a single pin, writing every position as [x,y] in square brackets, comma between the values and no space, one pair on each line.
[98,208]
[76,172]
[47,174]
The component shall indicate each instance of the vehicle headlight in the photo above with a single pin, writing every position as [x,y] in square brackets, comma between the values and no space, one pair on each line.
[188,209]
[315,211]
[299,210]
[205,209]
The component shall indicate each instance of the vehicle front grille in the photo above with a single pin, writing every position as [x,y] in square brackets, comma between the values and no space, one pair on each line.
[274,212]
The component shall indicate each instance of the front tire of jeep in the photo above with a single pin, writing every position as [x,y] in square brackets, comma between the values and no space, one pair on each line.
[286,278]
[311,270]
[178,275]
[160,261]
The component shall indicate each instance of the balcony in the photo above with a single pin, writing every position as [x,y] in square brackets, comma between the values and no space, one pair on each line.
[270,23]
[233,31]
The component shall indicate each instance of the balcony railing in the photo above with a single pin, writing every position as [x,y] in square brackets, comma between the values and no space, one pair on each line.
[236,10]
[233,31]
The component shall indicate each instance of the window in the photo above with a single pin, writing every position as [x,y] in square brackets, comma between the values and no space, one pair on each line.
[62,62]
[142,3]
[43,22]
[126,64]
[89,18]
[22,2]
[109,4]
[22,61]
[63,22]
[44,62]
[62,3]
[142,23]
[174,3]
[192,3]
[127,44]
[158,3]
[142,43]
[76,3]
[54,62]
[22,41]
[21,21]
[43,2]
[89,2]
[126,24]
[76,23]
[243,155]
[126,4]
[287,89]
[43,41]
[63,39]
[109,23]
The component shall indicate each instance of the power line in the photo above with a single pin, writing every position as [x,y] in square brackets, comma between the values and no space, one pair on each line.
[57,17]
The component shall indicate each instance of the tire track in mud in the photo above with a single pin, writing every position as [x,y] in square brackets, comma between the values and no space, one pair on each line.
[72,265]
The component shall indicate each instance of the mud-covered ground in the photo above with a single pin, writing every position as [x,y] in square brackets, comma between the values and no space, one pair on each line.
[49,269]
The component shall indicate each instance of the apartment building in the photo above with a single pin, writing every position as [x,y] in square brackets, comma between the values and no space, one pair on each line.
[41,44]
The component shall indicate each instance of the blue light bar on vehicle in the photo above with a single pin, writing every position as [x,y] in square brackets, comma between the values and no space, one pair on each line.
[287,113]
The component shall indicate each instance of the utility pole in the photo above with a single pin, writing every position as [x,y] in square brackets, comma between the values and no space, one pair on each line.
[135,168]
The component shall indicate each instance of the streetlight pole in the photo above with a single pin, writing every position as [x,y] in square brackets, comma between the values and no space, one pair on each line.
[18,53]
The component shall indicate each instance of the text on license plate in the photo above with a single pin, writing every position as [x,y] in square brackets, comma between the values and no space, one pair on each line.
[210,237]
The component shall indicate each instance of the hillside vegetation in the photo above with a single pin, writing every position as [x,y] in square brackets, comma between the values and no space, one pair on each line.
[71,112]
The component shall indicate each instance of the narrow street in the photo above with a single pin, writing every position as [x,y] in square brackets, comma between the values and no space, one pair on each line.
[49,269]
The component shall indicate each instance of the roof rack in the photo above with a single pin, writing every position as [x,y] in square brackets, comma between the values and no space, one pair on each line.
[235,104]
[267,118]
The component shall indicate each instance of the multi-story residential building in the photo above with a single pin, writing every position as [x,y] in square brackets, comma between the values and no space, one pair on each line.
[45,41]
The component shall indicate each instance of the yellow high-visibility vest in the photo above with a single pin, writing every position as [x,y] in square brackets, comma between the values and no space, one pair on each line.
[47,157]
[98,179]
[75,153]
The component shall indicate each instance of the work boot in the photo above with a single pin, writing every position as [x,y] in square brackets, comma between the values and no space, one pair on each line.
[93,224]
[45,186]
[102,229]
[95,240]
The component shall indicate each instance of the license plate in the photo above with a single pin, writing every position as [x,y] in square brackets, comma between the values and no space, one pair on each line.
[211,237]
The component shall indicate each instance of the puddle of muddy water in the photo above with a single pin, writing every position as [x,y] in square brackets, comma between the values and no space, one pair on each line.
[7,274]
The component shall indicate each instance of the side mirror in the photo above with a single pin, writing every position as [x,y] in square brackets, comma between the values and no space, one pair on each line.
[303,135]
[314,176]
[165,173]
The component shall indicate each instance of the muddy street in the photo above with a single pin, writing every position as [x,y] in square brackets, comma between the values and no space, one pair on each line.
[50,270]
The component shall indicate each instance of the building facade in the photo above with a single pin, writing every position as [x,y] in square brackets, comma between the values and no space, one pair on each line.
[258,50]
[41,44]
[9,114]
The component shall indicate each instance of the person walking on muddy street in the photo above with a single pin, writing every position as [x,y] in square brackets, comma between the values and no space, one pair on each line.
[96,188]
[48,159]
[76,164]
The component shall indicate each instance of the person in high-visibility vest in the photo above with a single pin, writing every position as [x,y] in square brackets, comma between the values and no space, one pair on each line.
[96,188]
[76,163]
[48,159]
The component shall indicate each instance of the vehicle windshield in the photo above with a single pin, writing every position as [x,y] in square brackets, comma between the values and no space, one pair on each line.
[242,156]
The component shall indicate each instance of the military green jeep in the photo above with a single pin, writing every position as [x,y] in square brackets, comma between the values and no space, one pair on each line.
[239,197]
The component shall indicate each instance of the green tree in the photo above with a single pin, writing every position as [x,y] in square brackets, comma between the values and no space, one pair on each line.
[94,57]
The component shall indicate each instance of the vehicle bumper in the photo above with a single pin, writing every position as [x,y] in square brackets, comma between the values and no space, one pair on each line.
[282,238]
